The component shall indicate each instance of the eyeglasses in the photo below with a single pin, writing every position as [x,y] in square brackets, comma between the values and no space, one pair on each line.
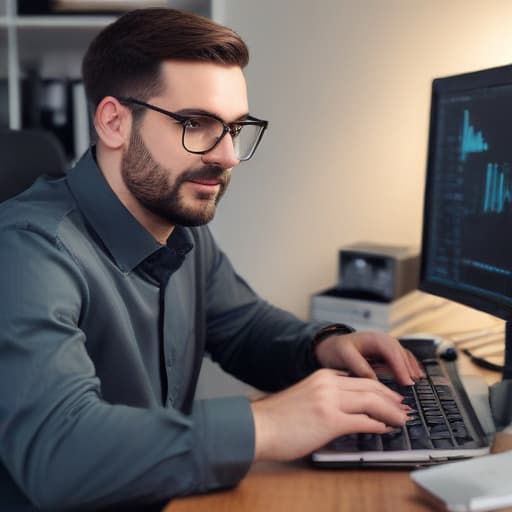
[202,132]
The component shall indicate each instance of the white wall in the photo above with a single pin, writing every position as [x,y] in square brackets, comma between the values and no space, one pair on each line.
[346,87]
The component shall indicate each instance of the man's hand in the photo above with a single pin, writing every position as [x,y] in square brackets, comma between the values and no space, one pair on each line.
[329,403]
[325,405]
[351,352]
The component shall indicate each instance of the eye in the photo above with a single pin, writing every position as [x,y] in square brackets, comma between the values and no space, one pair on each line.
[193,123]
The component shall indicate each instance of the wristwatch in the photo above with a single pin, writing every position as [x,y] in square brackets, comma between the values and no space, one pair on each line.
[329,331]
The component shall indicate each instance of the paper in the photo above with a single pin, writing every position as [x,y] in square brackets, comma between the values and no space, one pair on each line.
[473,485]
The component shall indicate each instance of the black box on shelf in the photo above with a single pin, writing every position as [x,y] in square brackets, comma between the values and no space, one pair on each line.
[31,7]
[378,272]
[57,105]
[46,7]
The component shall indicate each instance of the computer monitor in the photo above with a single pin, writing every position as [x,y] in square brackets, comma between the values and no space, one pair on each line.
[467,229]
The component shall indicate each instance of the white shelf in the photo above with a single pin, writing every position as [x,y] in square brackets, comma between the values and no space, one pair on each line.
[53,43]
[33,36]
[77,21]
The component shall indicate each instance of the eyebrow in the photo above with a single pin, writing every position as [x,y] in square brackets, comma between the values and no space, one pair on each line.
[200,111]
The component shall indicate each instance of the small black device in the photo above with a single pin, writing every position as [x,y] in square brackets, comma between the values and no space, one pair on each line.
[377,272]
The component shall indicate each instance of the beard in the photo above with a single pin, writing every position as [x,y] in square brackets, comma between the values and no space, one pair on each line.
[148,182]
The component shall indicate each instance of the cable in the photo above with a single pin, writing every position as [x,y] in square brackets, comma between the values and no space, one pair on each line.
[483,363]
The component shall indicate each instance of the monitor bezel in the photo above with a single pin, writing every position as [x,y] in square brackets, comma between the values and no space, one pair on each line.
[491,77]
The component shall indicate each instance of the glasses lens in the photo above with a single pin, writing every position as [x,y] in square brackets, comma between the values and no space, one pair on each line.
[245,140]
[201,133]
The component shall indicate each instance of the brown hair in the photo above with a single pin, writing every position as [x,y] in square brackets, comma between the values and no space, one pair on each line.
[124,59]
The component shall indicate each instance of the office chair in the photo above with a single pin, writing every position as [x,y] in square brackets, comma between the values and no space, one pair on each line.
[24,156]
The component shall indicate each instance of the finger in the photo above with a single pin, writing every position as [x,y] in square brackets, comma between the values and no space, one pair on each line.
[373,405]
[412,364]
[360,384]
[387,348]
[355,362]
[361,423]
[412,373]
[396,357]
[417,369]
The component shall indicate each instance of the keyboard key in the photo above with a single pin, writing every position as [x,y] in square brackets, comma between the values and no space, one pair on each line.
[370,442]
[394,441]
[416,431]
[442,443]
[440,432]
[435,420]
[433,412]
[434,370]
[418,437]
[345,444]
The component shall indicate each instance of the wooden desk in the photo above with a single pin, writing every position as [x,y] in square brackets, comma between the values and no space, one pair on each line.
[297,487]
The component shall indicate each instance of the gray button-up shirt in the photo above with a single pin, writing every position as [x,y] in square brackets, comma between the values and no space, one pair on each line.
[99,357]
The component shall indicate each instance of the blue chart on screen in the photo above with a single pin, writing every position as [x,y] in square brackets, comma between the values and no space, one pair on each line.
[472,217]
[498,184]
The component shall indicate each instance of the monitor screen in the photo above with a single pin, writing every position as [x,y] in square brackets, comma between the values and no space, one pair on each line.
[467,243]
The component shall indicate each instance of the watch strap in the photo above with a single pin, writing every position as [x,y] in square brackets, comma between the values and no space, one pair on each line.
[329,330]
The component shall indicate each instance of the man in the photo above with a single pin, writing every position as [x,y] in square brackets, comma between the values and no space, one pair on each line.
[113,289]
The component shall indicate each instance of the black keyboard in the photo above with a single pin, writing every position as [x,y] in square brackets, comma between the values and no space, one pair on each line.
[436,423]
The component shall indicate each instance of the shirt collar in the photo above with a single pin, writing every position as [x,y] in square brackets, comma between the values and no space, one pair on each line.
[128,242]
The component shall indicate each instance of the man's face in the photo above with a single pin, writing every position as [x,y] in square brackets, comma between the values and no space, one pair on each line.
[180,187]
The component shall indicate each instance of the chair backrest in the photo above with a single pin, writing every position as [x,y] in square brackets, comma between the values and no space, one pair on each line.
[24,156]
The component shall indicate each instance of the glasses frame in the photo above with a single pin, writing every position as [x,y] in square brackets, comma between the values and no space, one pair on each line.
[230,128]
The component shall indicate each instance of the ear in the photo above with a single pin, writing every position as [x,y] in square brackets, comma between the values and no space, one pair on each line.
[113,122]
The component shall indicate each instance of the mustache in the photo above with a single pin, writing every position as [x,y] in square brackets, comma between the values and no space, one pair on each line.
[211,172]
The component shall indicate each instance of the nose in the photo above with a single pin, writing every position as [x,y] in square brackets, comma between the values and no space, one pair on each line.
[223,154]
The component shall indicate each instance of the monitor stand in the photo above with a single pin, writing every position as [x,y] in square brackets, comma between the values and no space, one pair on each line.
[500,394]
[477,389]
